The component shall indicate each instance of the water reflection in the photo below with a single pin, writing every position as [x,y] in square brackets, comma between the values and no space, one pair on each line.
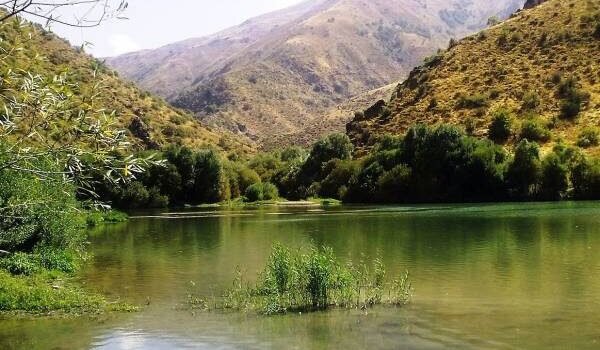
[490,276]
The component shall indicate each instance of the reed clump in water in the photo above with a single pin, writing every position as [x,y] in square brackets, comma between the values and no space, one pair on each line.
[315,279]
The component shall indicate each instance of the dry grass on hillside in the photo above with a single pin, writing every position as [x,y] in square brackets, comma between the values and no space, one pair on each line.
[531,64]
[38,51]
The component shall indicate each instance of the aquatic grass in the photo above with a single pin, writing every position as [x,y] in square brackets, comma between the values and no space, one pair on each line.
[308,280]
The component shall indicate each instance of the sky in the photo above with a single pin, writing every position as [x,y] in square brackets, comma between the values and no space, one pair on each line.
[154,23]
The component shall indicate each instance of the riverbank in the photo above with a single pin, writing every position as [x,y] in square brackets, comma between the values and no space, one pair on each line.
[50,294]
[43,282]
[239,203]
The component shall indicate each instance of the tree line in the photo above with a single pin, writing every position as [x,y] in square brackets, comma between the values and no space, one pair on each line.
[425,165]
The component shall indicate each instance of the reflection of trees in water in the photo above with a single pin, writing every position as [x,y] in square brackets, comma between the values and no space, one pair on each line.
[499,253]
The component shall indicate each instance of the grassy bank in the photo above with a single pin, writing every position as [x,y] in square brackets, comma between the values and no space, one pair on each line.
[97,218]
[45,293]
[308,280]
[32,290]
[41,281]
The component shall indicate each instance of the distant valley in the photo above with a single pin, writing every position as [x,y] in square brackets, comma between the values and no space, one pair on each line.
[299,73]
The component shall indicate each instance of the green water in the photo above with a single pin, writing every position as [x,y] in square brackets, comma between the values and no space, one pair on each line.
[486,277]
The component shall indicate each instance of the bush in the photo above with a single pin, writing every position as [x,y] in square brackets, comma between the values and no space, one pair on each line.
[36,213]
[395,184]
[96,218]
[44,258]
[58,260]
[20,264]
[135,195]
[500,129]
[588,138]
[596,33]
[570,109]
[339,174]
[270,191]
[472,101]
[262,191]
[533,130]
[335,146]
[573,98]
[531,101]
[254,193]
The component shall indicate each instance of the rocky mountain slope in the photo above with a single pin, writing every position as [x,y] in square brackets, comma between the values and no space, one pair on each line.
[149,121]
[281,73]
[541,68]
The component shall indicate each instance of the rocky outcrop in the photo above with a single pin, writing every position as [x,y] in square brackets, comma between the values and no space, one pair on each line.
[140,130]
[533,3]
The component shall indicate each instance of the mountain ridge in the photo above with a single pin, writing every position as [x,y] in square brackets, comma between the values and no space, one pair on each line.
[148,121]
[543,77]
[281,73]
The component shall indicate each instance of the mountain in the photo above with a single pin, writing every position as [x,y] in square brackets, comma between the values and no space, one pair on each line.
[541,67]
[283,72]
[149,121]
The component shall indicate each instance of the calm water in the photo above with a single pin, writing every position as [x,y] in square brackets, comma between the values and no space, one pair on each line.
[485,276]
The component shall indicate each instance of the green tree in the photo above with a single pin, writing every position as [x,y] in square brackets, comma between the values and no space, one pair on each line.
[525,170]
[585,176]
[208,177]
[555,177]
[395,185]
[334,146]
[339,173]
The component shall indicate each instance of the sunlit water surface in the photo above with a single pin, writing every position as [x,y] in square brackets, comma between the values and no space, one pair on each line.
[509,276]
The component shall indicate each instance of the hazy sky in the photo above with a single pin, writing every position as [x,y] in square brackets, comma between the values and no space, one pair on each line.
[153,23]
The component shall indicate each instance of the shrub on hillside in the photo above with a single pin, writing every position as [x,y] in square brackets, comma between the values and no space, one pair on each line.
[596,32]
[531,101]
[573,99]
[570,109]
[588,138]
[472,101]
[500,129]
[534,130]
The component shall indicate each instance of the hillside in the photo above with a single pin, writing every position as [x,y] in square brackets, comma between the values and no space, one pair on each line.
[150,122]
[332,120]
[282,72]
[542,66]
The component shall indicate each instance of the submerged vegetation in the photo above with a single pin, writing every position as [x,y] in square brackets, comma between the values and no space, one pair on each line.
[311,280]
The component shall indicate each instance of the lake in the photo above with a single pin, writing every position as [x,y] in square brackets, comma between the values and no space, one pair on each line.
[497,276]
